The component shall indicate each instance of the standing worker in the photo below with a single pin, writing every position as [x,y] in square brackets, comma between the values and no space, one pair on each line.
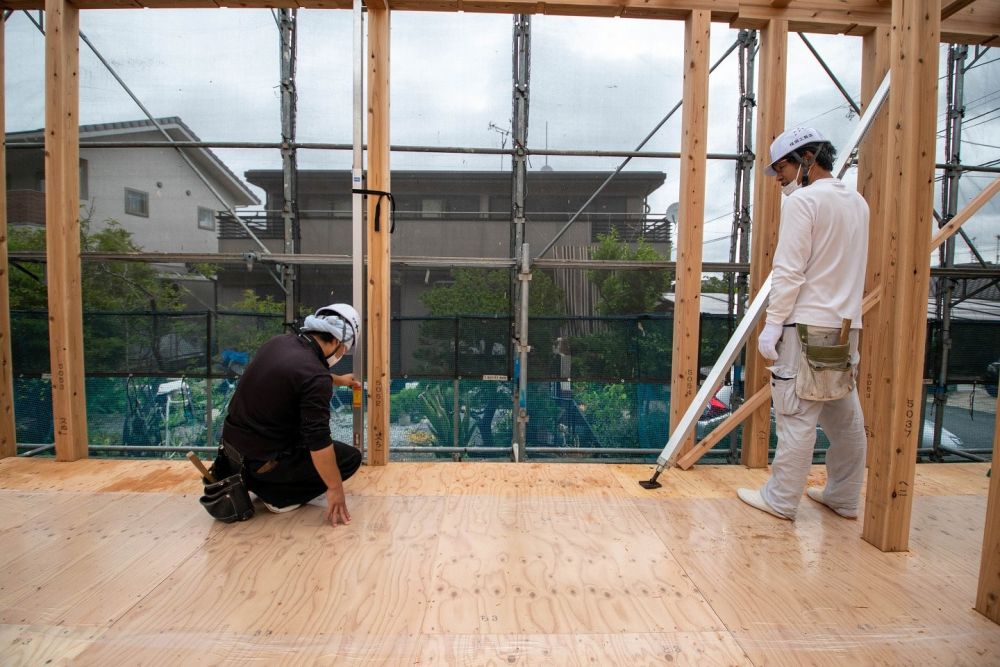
[812,326]
[278,426]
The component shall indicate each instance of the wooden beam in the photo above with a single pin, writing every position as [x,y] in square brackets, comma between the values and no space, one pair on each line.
[951,7]
[690,230]
[8,437]
[976,23]
[762,397]
[378,230]
[969,210]
[62,227]
[914,69]
[988,594]
[871,184]
[771,68]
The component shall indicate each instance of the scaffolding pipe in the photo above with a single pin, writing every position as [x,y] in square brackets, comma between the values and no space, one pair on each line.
[957,54]
[519,285]
[36,145]
[358,228]
[829,72]
[740,243]
[287,34]
[621,166]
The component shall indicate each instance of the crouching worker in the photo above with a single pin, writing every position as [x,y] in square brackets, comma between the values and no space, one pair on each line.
[278,427]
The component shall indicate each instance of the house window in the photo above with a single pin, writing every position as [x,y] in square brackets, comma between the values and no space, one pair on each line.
[136,202]
[206,218]
[432,208]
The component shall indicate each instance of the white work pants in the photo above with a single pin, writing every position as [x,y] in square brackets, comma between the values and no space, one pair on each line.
[796,420]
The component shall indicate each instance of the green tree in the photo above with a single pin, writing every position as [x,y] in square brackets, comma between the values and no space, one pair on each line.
[476,292]
[106,286]
[628,292]
[714,285]
[248,323]
[488,293]
[122,301]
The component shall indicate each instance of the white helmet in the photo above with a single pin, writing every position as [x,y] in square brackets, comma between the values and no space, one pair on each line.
[339,320]
[790,141]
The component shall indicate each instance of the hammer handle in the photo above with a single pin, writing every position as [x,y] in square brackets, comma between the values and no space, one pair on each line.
[845,330]
[193,458]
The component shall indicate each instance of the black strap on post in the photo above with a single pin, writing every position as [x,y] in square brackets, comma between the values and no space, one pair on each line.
[378,205]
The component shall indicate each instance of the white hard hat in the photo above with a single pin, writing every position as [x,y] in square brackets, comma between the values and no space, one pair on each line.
[339,320]
[791,141]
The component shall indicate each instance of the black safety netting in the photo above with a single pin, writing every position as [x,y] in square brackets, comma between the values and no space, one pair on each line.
[593,383]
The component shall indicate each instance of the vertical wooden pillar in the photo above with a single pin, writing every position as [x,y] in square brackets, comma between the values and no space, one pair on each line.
[379,314]
[772,68]
[62,227]
[871,183]
[988,596]
[690,231]
[8,439]
[916,27]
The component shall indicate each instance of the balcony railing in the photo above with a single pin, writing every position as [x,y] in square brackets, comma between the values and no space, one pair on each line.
[630,226]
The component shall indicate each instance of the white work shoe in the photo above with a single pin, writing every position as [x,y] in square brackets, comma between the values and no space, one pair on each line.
[816,494]
[753,498]
[281,510]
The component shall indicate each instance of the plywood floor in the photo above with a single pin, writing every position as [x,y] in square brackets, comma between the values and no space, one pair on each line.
[115,563]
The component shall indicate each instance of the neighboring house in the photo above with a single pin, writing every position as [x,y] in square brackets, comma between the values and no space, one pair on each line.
[152,192]
[463,214]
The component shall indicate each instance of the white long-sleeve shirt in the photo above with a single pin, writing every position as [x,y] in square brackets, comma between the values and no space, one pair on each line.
[820,261]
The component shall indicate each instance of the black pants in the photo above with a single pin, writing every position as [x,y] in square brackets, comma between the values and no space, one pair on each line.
[294,479]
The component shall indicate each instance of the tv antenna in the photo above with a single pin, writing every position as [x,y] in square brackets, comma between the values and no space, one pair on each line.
[504,133]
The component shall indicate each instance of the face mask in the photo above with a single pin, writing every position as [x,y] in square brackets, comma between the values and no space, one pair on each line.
[793,185]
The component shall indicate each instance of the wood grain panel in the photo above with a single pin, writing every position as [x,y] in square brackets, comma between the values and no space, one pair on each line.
[773,67]
[808,592]
[690,227]
[911,143]
[93,561]
[485,564]
[8,439]
[378,238]
[556,565]
[100,475]
[499,479]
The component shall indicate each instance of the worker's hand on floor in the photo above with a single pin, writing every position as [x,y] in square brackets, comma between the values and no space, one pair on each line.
[767,343]
[336,508]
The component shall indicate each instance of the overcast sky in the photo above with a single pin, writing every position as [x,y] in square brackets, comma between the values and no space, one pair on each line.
[595,84]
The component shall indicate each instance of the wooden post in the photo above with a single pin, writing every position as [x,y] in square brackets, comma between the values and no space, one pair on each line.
[690,231]
[8,437]
[62,227]
[871,183]
[379,314]
[988,596]
[909,195]
[772,66]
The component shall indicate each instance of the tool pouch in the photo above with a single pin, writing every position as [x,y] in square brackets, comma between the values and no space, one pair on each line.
[227,499]
[824,370]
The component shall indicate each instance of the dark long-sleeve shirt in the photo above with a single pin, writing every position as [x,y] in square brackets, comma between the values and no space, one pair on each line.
[282,401]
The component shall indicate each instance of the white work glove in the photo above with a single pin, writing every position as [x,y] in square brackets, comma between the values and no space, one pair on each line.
[767,343]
